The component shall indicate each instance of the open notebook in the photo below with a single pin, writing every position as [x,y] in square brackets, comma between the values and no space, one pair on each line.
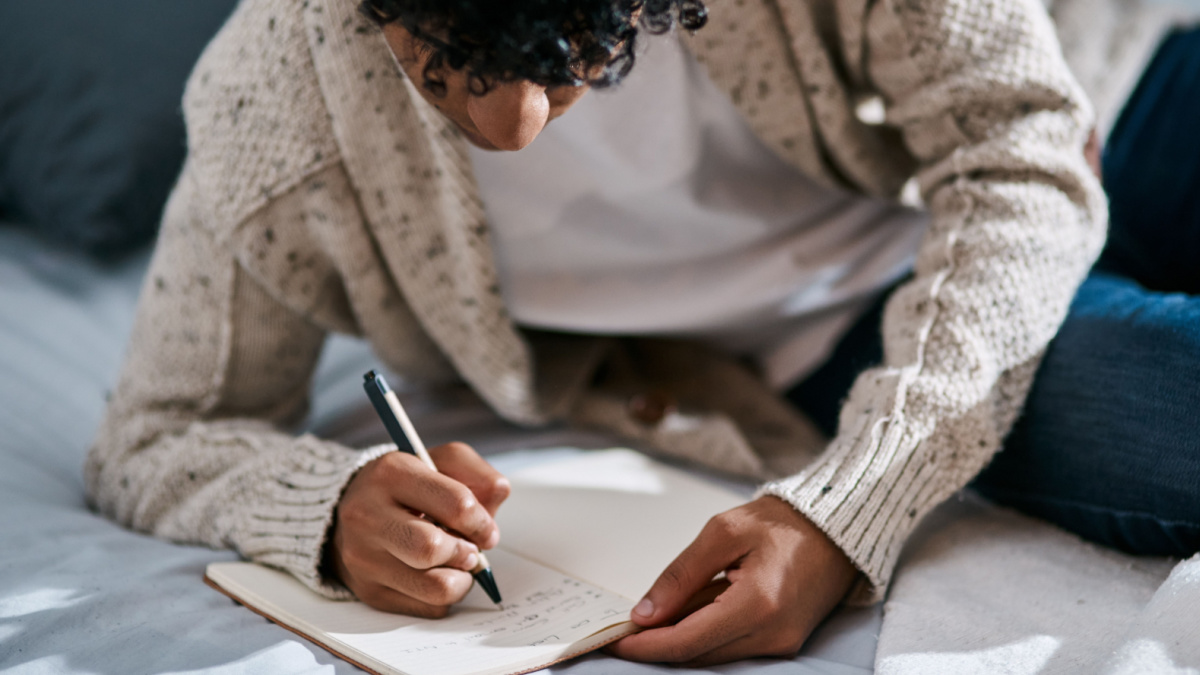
[582,539]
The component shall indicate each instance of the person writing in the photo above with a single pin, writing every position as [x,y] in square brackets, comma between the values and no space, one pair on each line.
[439,178]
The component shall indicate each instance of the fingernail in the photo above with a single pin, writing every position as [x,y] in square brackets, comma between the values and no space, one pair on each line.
[472,561]
[644,609]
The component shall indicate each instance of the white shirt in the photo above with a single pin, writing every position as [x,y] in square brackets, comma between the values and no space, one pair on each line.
[652,209]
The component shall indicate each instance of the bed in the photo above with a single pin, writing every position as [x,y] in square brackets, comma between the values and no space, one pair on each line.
[979,589]
[80,594]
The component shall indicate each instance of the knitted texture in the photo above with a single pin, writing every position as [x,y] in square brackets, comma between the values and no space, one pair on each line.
[986,110]
[322,194]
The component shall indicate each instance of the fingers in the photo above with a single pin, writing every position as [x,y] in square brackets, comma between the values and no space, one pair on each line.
[704,598]
[781,639]
[440,586]
[420,544]
[460,462]
[741,648]
[389,600]
[723,622]
[408,556]
[713,550]
[392,557]
[435,587]
[786,577]
[443,499]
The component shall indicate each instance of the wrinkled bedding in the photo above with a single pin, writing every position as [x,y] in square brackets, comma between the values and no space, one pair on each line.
[79,594]
[982,590]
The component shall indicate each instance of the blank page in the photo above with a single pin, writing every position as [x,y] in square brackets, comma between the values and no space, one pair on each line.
[613,518]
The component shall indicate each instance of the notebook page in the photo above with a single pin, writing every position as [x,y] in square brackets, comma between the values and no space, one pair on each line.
[614,518]
[544,615]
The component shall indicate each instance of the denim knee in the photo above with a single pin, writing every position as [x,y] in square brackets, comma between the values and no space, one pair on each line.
[1108,445]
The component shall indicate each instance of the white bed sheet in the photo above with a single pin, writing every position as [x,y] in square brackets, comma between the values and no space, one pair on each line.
[79,594]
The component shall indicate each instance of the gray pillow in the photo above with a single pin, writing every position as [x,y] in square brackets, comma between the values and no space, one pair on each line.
[91,134]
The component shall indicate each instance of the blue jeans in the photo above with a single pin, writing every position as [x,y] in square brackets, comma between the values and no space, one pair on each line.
[1108,445]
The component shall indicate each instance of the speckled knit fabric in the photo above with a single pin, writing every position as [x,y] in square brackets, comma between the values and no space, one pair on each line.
[322,194]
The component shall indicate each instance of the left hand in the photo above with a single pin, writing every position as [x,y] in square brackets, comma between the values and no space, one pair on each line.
[782,577]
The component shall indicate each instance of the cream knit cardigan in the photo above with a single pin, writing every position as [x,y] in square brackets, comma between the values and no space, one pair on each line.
[322,194]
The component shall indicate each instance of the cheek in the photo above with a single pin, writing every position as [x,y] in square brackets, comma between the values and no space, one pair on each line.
[562,100]
[453,106]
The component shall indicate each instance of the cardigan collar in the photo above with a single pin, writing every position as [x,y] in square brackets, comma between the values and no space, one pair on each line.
[416,190]
[418,194]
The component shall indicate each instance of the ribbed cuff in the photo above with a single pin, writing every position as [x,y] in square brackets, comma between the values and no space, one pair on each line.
[289,531]
[866,492]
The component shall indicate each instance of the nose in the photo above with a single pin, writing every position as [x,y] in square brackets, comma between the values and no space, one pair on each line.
[511,114]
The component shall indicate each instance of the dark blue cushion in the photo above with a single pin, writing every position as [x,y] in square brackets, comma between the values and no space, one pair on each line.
[91,134]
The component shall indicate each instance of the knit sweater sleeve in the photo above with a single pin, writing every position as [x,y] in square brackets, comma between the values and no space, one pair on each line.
[986,105]
[194,446]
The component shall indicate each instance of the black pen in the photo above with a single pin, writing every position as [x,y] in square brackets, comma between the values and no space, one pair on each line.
[404,435]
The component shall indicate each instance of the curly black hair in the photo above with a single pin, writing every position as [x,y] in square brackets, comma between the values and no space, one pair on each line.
[548,42]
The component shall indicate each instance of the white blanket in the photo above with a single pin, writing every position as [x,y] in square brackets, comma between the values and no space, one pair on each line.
[982,589]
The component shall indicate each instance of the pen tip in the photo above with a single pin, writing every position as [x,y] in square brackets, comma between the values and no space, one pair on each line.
[369,375]
[488,582]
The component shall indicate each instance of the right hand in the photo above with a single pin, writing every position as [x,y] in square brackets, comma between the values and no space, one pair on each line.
[395,560]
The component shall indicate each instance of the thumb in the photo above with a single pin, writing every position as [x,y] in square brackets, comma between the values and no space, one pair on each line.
[690,572]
